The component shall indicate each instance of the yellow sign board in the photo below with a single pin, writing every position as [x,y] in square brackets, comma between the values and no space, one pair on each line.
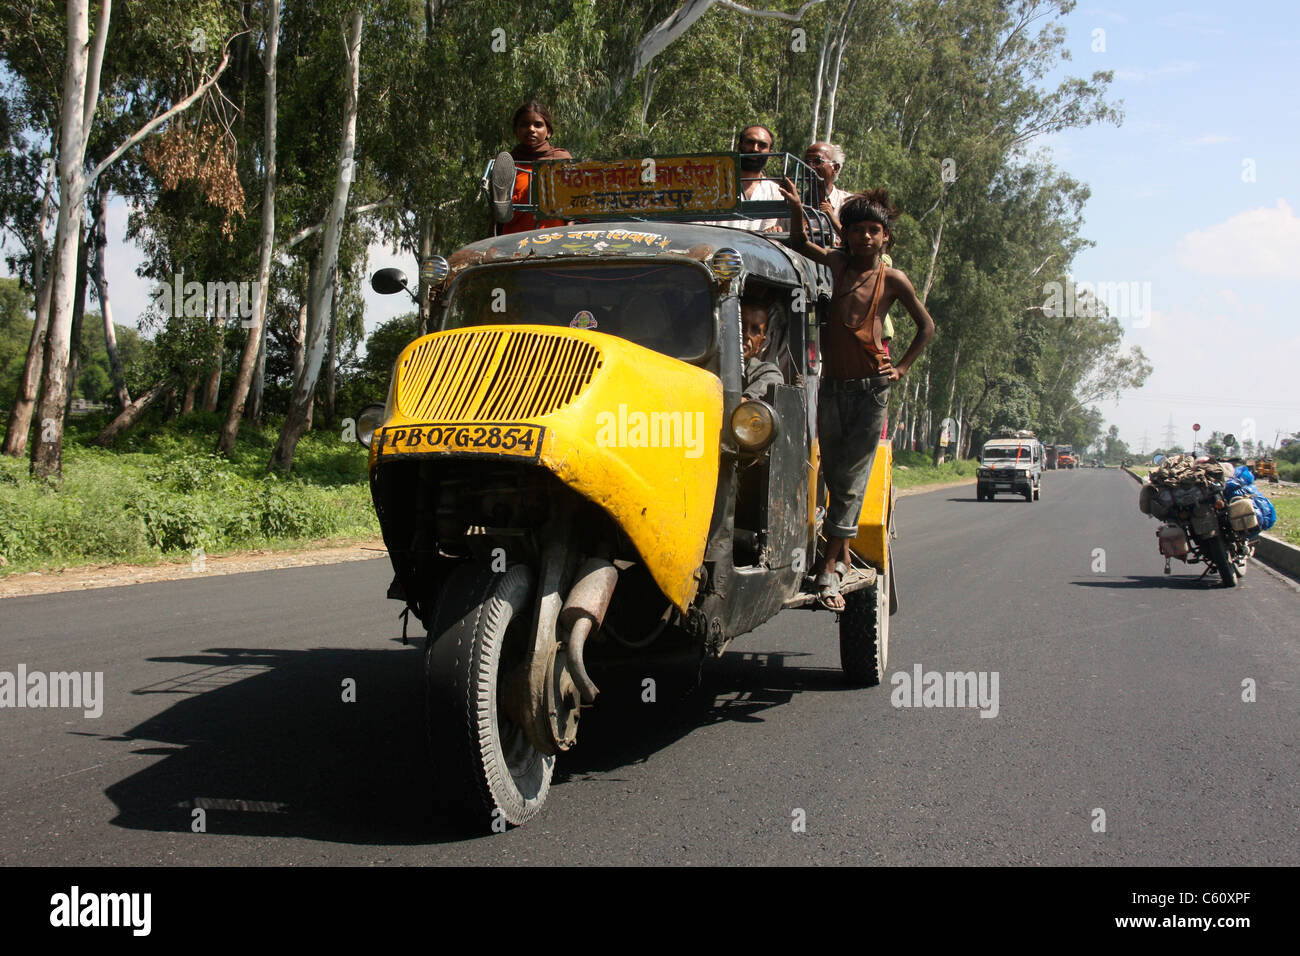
[659,185]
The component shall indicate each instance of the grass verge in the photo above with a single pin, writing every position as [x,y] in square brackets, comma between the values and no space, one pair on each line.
[912,468]
[1287,502]
[163,495]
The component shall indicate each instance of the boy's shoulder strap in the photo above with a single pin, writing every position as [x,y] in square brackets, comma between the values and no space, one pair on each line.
[877,292]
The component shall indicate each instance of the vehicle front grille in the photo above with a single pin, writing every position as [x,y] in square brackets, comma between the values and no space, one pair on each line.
[482,375]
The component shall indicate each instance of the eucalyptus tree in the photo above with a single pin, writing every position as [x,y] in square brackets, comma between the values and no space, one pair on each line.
[82,66]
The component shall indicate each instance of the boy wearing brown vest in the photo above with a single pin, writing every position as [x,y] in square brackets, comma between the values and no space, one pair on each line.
[856,367]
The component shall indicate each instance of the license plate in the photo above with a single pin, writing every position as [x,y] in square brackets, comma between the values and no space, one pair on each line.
[489,438]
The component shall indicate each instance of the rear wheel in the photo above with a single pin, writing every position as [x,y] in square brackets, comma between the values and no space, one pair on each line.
[864,634]
[484,763]
[1038,492]
[1217,552]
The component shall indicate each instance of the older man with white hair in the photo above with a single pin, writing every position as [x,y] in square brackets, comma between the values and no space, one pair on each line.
[827,160]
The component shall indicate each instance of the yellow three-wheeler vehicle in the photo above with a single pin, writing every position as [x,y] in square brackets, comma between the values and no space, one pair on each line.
[566,470]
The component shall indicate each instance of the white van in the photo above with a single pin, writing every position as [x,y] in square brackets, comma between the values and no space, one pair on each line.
[1011,464]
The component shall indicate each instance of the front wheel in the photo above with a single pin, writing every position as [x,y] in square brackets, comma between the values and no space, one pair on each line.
[1217,552]
[484,763]
[864,633]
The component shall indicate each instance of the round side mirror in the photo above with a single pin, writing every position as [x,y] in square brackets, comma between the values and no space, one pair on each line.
[388,281]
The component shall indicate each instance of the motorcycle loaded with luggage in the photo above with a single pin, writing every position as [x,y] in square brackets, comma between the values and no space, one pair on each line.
[1210,512]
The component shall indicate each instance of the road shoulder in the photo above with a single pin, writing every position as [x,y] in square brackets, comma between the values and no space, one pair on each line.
[121,575]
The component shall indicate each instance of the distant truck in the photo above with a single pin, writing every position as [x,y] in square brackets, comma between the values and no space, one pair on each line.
[1264,468]
[1065,457]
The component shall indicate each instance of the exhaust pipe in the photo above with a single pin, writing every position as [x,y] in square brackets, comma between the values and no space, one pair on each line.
[583,611]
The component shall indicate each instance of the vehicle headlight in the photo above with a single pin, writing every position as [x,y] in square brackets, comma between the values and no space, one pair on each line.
[368,419]
[754,425]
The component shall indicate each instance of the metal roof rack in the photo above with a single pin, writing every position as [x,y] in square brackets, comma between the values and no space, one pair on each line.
[689,188]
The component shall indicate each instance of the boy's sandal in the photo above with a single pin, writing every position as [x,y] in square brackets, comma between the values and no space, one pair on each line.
[828,591]
[848,574]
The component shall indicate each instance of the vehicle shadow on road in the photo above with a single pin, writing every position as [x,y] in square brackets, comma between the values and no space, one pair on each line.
[264,743]
[626,728]
[1176,581]
[1007,499]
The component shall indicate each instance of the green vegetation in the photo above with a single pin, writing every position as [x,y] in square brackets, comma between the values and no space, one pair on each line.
[913,468]
[163,495]
[1287,503]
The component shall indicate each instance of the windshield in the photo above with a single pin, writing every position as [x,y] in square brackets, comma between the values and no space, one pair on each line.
[1001,454]
[667,308]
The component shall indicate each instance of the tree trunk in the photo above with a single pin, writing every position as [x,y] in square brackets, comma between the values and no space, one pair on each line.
[952,394]
[20,416]
[924,407]
[131,414]
[304,321]
[295,422]
[817,86]
[100,276]
[76,114]
[250,360]
[934,257]
[47,449]
[212,386]
[331,344]
[187,403]
[78,316]
[841,39]
[253,408]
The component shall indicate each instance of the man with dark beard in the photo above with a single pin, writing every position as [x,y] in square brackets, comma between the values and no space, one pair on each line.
[754,141]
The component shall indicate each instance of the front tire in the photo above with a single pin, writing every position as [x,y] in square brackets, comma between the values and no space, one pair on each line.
[1217,552]
[864,634]
[484,763]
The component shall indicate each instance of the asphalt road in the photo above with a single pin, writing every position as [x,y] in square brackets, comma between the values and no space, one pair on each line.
[1119,692]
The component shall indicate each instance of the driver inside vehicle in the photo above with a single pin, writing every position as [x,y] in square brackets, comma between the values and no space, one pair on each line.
[754,321]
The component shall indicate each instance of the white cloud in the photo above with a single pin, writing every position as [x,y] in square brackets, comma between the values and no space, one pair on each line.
[1202,23]
[1210,139]
[1146,74]
[1198,377]
[1110,15]
[1261,243]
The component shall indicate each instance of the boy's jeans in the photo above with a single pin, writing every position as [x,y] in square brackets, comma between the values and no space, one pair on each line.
[848,429]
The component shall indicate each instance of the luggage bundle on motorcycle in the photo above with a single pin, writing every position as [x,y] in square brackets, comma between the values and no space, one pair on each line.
[1240,489]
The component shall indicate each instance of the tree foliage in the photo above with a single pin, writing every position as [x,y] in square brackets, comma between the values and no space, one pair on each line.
[940,101]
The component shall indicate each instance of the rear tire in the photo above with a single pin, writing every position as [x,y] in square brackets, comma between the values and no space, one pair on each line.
[1217,552]
[484,764]
[864,634]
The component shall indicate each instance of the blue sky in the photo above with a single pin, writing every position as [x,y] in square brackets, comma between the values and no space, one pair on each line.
[1197,194]
[1195,197]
